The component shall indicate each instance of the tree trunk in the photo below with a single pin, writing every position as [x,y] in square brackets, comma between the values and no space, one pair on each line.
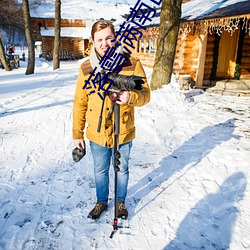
[165,53]
[56,59]
[3,57]
[28,33]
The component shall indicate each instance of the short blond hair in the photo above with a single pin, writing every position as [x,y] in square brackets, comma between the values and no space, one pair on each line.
[100,25]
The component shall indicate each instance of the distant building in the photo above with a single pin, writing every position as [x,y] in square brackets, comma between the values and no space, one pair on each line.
[74,36]
[77,19]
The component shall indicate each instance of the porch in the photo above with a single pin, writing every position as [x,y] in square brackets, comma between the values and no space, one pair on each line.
[231,87]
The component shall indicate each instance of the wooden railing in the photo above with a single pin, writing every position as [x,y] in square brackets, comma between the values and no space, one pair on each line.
[64,55]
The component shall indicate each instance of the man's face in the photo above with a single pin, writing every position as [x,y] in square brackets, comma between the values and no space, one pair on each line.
[102,40]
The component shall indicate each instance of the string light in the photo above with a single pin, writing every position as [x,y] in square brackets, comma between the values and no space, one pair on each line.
[218,25]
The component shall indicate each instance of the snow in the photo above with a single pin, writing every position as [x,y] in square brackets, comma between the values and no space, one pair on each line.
[82,10]
[189,169]
[81,32]
[197,9]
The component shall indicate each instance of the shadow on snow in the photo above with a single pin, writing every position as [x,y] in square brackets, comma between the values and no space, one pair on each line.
[210,223]
[207,213]
[190,153]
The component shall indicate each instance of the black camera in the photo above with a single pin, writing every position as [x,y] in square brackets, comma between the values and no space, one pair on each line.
[121,82]
[124,82]
[78,153]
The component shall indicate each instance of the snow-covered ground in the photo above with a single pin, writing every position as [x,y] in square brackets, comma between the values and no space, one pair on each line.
[189,169]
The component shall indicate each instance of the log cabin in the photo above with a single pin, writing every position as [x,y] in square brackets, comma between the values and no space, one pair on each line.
[213,42]
[74,37]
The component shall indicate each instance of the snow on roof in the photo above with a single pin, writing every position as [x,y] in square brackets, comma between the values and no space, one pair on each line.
[79,32]
[202,9]
[82,10]
[197,9]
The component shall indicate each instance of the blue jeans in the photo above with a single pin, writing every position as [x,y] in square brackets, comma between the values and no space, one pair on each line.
[102,158]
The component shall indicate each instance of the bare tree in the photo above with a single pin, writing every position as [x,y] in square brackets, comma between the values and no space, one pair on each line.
[11,16]
[169,27]
[11,24]
[36,3]
[28,33]
[3,57]
[56,59]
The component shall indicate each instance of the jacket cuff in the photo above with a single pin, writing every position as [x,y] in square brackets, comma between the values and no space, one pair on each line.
[77,135]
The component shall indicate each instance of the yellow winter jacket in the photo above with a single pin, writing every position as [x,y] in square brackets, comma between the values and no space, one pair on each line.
[87,107]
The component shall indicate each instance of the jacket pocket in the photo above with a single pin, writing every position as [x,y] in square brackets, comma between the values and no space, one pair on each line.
[127,120]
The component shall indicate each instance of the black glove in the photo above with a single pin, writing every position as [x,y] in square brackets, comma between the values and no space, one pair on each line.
[78,153]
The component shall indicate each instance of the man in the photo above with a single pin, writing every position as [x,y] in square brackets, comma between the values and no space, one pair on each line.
[86,108]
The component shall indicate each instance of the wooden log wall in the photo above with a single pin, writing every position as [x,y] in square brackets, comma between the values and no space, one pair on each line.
[50,22]
[79,46]
[47,45]
[73,45]
[191,55]
[66,44]
[209,57]
[179,60]
[186,55]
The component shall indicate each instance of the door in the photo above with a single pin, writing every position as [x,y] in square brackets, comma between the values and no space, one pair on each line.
[227,55]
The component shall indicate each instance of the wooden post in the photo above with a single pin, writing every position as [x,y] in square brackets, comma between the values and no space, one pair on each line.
[140,41]
[201,60]
[144,45]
